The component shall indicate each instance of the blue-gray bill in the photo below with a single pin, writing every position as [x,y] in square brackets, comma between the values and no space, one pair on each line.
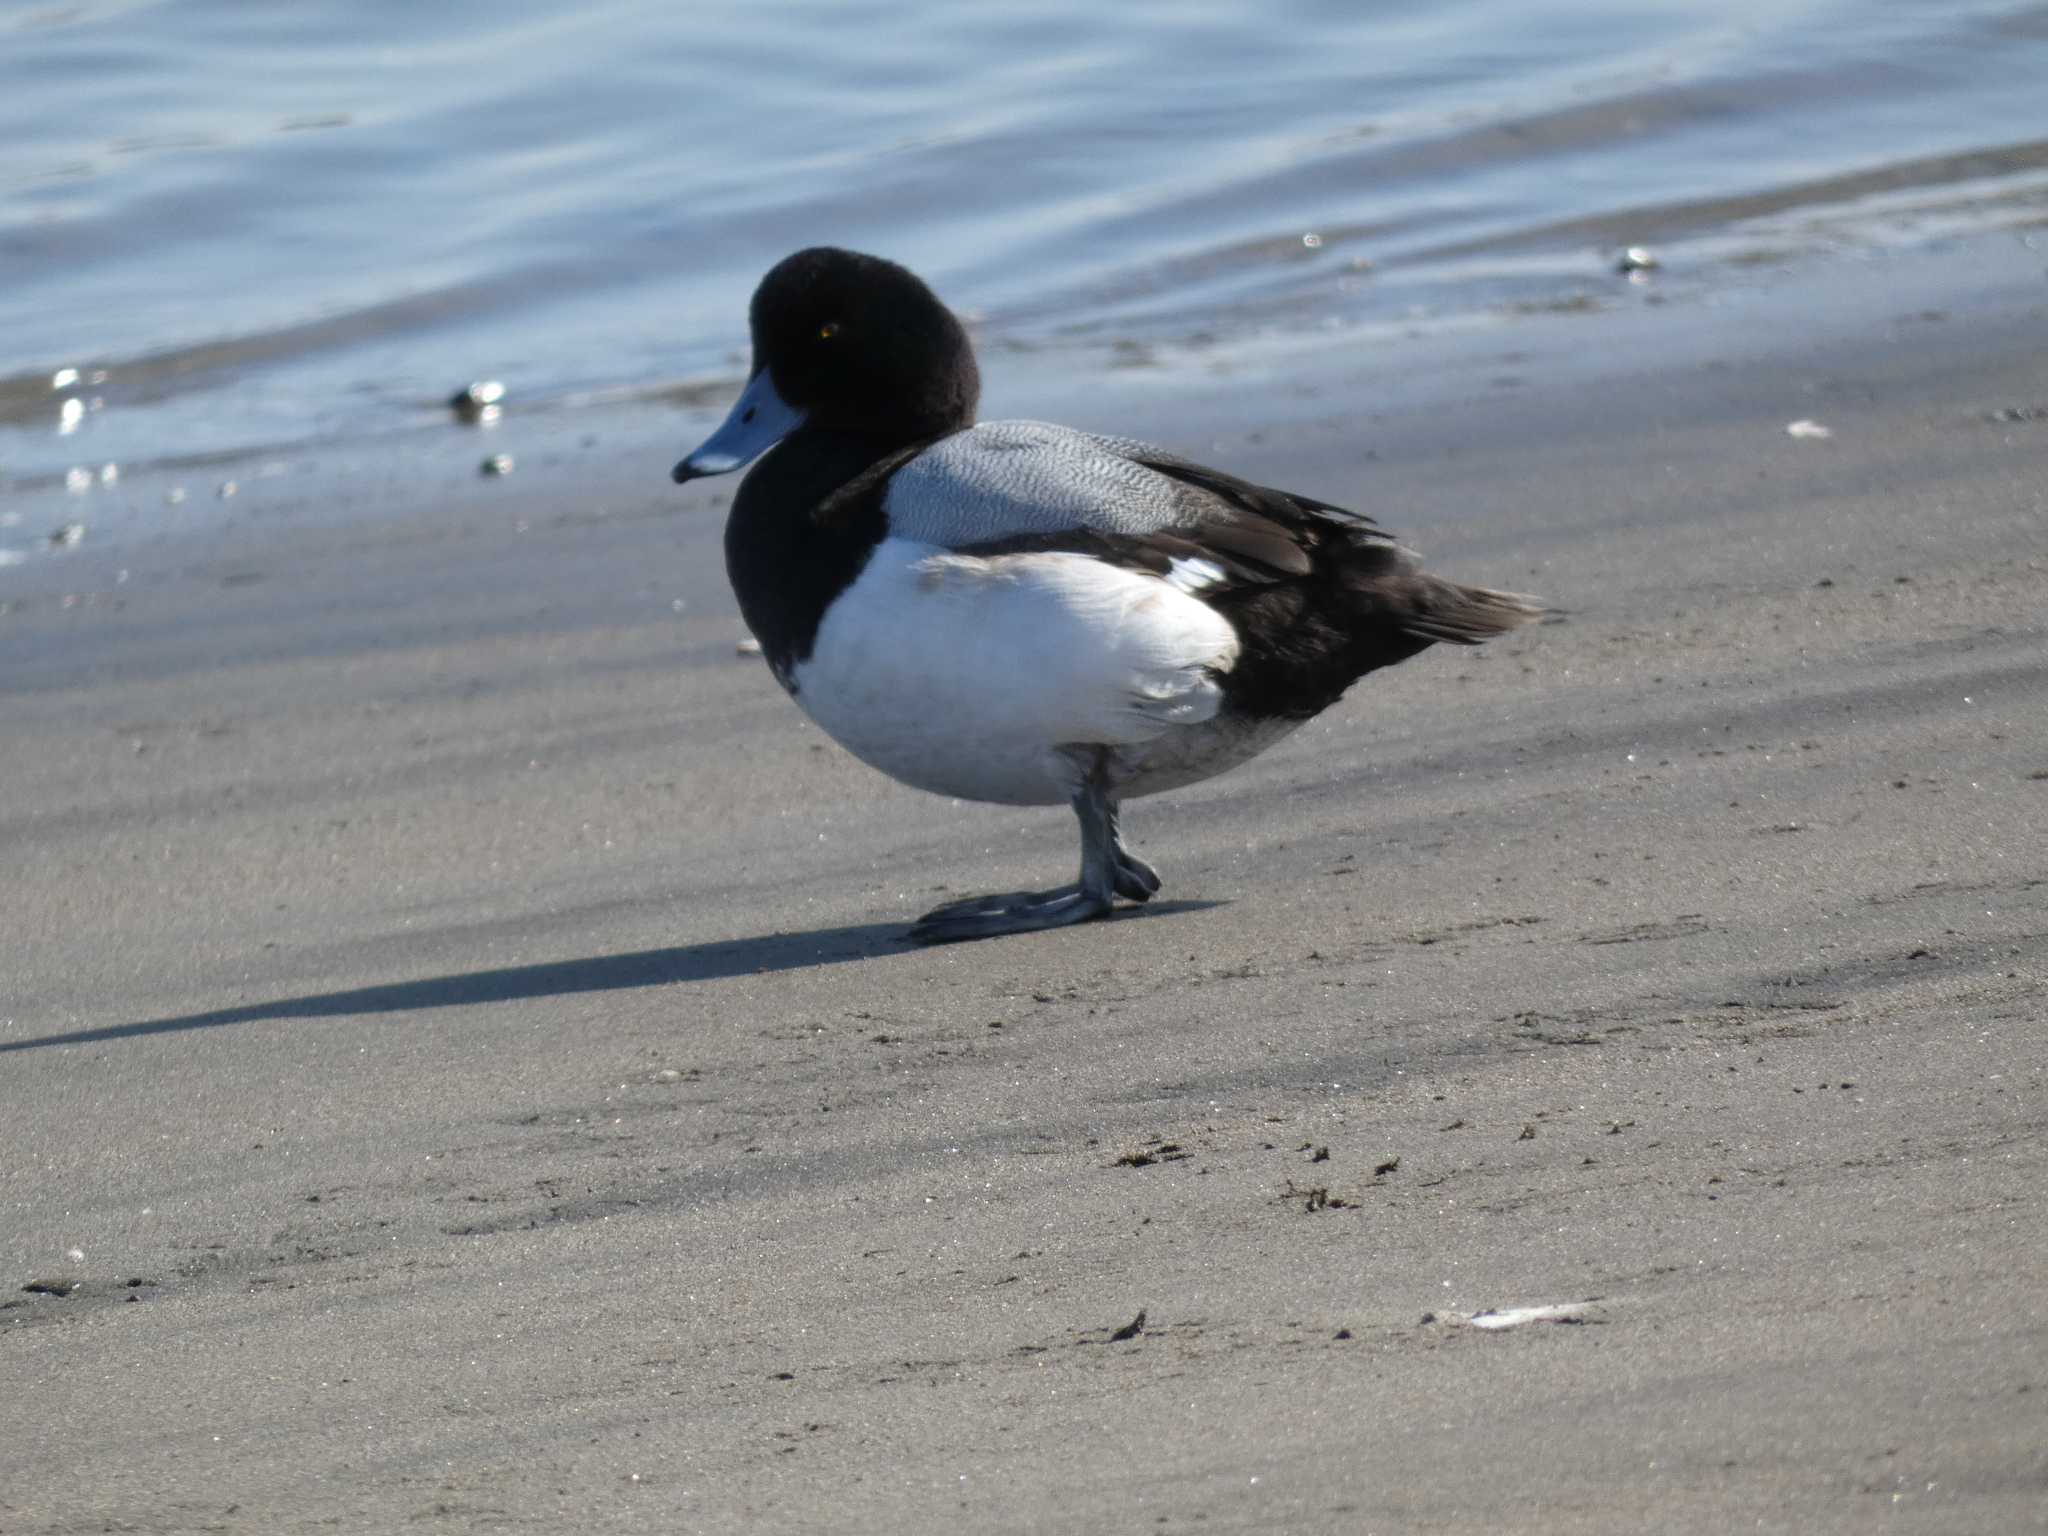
[758,420]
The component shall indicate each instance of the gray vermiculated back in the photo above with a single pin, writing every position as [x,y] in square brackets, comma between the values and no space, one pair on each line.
[1004,478]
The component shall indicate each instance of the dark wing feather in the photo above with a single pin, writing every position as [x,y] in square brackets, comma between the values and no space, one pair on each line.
[1246,496]
[1152,553]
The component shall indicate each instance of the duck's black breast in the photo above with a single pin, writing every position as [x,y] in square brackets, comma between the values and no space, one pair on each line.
[792,545]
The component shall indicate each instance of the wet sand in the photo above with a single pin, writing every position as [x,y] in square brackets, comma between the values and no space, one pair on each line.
[461,1070]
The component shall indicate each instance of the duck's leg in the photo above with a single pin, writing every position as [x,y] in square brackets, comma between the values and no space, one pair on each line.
[1134,878]
[1108,870]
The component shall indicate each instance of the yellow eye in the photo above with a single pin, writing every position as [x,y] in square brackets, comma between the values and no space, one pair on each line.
[828,330]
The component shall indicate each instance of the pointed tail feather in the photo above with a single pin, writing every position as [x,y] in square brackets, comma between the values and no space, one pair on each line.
[1444,610]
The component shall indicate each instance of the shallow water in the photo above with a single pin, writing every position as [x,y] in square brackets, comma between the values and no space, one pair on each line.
[257,229]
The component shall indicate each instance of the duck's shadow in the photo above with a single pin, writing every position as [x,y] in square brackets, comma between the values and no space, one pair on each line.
[559,978]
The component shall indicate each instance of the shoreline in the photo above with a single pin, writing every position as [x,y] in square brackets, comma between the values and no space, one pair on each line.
[1405,378]
[472,1003]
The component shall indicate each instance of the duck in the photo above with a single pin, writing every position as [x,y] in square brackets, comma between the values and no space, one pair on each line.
[1029,614]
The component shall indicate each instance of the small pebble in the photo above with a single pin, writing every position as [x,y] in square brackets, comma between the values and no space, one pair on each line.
[78,480]
[1637,258]
[478,402]
[109,473]
[1805,428]
[496,464]
[67,537]
[227,489]
[64,378]
[748,647]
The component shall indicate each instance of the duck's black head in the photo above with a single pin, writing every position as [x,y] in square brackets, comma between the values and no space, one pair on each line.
[849,344]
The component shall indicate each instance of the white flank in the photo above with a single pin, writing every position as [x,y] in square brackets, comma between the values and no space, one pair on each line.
[1193,575]
[967,676]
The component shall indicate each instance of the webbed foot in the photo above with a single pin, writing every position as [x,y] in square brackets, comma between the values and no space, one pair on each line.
[1134,878]
[984,917]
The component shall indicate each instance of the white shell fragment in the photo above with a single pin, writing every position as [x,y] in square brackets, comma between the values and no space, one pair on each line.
[1515,1317]
[1805,428]
[747,647]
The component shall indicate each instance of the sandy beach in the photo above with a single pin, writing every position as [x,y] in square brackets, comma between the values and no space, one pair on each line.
[461,1069]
